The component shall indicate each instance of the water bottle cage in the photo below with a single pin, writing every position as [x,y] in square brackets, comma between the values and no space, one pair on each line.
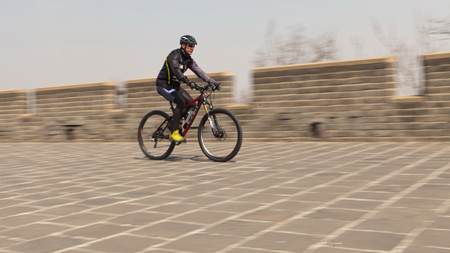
[189,114]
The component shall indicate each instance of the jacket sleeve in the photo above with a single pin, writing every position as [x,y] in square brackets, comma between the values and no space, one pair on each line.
[200,73]
[173,68]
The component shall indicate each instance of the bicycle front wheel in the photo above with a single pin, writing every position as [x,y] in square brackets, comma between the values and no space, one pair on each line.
[220,135]
[153,135]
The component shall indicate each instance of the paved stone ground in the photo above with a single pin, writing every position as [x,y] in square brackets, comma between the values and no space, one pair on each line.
[273,197]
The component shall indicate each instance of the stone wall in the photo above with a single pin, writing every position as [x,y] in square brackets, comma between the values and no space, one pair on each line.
[90,112]
[71,112]
[435,108]
[13,105]
[348,101]
[334,101]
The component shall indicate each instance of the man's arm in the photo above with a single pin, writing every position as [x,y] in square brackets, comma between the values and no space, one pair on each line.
[200,73]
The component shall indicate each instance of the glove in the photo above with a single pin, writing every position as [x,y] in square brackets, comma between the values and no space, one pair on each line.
[215,86]
[193,85]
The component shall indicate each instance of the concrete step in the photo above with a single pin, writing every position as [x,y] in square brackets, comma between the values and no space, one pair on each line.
[438,75]
[7,122]
[352,111]
[336,135]
[391,126]
[13,107]
[76,104]
[437,90]
[11,113]
[389,139]
[59,94]
[4,104]
[444,97]
[315,83]
[332,110]
[321,102]
[155,95]
[326,105]
[327,89]
[329,75]
[326,67]
[388,133]
[437,68]
[100,108]
[13,96]
[77,88]
[275,119]
[332,96]
[437,82]
[71,114]
[76,99]
[305,125]
[434,104]
[436,59]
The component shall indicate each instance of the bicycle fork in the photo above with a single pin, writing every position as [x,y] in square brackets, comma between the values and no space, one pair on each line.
[215,130]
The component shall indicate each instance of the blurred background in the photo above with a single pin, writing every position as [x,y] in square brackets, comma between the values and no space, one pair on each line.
[59,42]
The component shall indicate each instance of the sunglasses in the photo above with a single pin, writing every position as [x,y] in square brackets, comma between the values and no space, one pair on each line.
[191,46]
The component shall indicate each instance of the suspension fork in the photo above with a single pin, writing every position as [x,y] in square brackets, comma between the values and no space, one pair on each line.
[215,130]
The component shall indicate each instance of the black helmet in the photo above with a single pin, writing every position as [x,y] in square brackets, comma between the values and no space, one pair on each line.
[188,39]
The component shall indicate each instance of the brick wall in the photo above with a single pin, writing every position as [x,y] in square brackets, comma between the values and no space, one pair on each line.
[13,104]
[435,109]
[71,112]
[334,101]
[347,101]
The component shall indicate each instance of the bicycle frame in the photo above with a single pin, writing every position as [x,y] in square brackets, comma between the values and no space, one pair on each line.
[206,141]
[200,100]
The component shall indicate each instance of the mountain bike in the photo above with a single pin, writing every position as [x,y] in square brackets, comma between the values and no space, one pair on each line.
[219,131]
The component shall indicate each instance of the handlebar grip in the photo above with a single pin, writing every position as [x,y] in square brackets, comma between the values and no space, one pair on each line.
[218,86]
[213,87]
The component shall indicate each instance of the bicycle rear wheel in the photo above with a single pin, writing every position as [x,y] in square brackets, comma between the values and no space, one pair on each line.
[153,135]
[221,138]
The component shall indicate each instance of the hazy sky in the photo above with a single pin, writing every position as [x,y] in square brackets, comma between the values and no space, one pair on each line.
[59,42]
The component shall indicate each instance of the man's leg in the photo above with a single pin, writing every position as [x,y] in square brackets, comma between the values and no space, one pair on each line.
[170,95]
[174,96]
[177,113]
[184,95]
[182,98]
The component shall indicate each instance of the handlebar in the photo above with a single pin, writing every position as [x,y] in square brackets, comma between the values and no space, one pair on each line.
[207,87]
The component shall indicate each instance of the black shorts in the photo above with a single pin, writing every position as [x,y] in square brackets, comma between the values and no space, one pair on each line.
[179,96]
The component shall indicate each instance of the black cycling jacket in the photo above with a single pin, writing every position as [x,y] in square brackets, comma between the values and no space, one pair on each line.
[172,72]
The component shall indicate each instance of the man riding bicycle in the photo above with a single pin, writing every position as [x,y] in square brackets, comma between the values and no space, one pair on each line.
[172,74]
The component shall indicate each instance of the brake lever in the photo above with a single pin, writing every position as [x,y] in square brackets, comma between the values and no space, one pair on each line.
[213,87]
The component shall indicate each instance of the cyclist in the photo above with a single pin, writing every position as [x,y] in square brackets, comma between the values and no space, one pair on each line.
[172,74]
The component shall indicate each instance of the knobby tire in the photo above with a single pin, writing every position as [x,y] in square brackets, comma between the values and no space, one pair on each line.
[215,146]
